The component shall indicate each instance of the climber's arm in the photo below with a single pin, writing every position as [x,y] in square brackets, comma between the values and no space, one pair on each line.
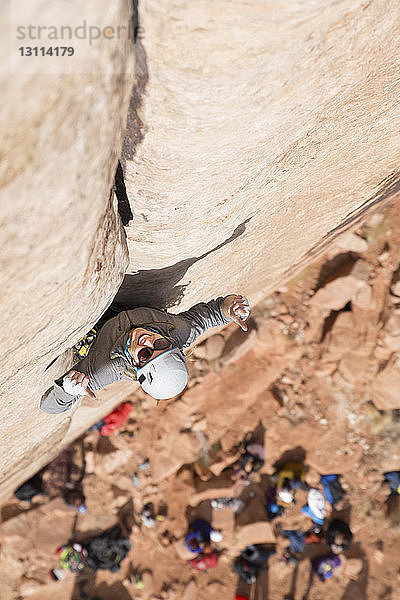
[204,315]
[56,400]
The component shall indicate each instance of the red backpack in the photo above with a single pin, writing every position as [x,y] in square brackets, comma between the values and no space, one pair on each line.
[204,562]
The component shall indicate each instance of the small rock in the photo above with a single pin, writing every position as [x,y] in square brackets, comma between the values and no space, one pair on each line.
[392,325]
[148,581]
[216,589]
[385,388]
[374,220]
[215,346]
[200,425]
[337,293]
[286,319]
[190,592]
[199,351]
[353,567]
[391,343]
[352,242]
[361,270]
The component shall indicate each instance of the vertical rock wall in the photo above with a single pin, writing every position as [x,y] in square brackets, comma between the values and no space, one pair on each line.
[256,131]
[62,246]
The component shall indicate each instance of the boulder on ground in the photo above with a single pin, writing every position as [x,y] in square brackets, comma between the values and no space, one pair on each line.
[385,391]
[337,293]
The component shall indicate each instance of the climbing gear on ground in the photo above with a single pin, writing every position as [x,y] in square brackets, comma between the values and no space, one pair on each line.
[116,418]
[147,515]
[204,562]
[296,539]
[236,504]
[393,479]
[245,570]
[107,550]
[215,536]
[332,489]
[199,533]
[315,507]
[324,566]
[73,557]
[165,376]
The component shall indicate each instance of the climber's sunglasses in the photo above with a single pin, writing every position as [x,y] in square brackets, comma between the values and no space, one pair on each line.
[146,353]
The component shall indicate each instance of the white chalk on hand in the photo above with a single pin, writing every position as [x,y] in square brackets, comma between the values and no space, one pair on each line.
[73,388]
[244,308]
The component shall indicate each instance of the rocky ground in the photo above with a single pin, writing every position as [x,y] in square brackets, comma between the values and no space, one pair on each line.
[315,378]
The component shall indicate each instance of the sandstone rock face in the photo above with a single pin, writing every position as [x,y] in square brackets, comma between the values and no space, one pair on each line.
[63,249]
[260,130]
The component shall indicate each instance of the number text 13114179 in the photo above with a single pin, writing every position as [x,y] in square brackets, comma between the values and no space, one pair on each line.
[42,51]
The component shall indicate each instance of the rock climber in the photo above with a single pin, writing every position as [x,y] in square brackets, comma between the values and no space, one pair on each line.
[146,345]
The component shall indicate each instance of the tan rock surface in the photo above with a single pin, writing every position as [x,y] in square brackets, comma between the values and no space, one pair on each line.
[63,250]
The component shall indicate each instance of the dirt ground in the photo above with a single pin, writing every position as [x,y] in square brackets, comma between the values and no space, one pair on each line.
[314,379]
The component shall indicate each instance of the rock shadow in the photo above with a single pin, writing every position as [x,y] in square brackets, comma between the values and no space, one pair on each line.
[293,584]
[310,582]
[124,208]
[262,584]
[134,133]
[357,589]
[112,591]
[157,287]
[330,321]
[84,586]
[297,455]
[257,436]
[126,518]
[339,266]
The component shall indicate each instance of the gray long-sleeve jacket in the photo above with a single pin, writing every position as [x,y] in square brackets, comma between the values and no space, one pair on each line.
[107,361]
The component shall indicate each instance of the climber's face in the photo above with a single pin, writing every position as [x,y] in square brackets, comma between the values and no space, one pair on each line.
[146,345]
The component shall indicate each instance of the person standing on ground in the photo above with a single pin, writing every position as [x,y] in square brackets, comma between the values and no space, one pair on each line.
[146,345]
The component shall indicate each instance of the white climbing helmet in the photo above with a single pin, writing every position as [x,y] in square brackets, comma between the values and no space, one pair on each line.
[164,376]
